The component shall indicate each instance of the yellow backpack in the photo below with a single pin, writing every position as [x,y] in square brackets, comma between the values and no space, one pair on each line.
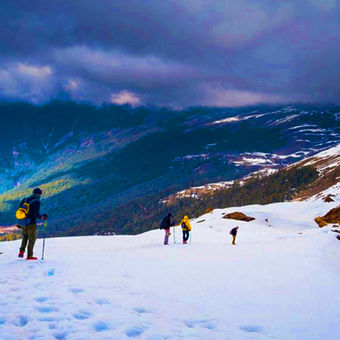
[22,212]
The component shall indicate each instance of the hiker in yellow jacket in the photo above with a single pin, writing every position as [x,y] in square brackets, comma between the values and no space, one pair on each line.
[186,228]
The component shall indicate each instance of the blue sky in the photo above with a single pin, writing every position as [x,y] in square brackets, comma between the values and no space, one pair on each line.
[174,52]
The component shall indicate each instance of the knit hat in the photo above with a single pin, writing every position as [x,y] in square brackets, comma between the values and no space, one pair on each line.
[37,191]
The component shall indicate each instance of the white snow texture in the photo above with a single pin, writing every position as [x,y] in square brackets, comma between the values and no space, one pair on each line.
[279,282]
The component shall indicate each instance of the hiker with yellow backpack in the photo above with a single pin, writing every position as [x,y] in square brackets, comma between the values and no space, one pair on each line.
[186,228]
[27,215]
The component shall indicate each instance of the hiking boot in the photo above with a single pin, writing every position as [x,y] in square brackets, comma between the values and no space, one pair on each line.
[184,242]
[21,254]
[32,258]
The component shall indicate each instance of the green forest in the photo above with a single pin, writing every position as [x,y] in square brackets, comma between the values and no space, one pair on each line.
[144,214]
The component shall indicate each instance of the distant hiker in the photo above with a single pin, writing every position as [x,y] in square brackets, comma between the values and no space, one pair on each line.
[186,228]
[166,224]
[233,233]
[28,213]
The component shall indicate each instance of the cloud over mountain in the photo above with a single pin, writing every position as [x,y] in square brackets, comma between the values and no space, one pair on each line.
[191,52]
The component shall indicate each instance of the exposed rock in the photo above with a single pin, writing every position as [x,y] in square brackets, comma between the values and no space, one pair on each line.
[239,216]
[320,222]
[329,198]
[209,210]
[333,216]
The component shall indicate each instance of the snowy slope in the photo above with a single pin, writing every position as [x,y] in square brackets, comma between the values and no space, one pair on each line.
[280,282]
[325,161]
[327,164]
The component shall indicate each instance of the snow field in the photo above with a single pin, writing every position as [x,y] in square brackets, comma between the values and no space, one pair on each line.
[279,282]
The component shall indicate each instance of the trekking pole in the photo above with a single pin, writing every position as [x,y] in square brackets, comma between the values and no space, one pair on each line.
[43,249]
[190,237]
[174,230]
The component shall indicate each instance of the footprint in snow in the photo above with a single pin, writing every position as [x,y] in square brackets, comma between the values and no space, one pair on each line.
[101,326]
[208,324]
[134,332]
[76,290]
[141,310]
[102,302]
[189,324]
[60,335]
[2,321]
[41,299]
[21,321]
[251,329]
[51,272]
[46,309]
[37,337]
[47,319]
[82,315]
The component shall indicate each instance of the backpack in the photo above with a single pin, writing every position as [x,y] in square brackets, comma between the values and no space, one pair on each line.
[163,223]
[23,211]
[233,231]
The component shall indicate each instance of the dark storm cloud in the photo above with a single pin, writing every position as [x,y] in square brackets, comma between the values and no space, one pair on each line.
[179,52]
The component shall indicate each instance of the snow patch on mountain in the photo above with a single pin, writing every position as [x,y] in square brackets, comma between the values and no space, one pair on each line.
[284,120]
[333,192]
[334,151]
[302,126]
[236,119]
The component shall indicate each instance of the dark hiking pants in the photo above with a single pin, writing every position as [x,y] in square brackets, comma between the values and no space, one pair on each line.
[185,235]
[166,237]
[29,233]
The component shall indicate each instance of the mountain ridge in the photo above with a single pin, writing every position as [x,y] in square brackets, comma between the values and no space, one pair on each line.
[99,159]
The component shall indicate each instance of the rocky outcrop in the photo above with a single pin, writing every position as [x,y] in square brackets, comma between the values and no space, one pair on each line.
[320,222]
[333,216]
[328,198]
[238,216]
